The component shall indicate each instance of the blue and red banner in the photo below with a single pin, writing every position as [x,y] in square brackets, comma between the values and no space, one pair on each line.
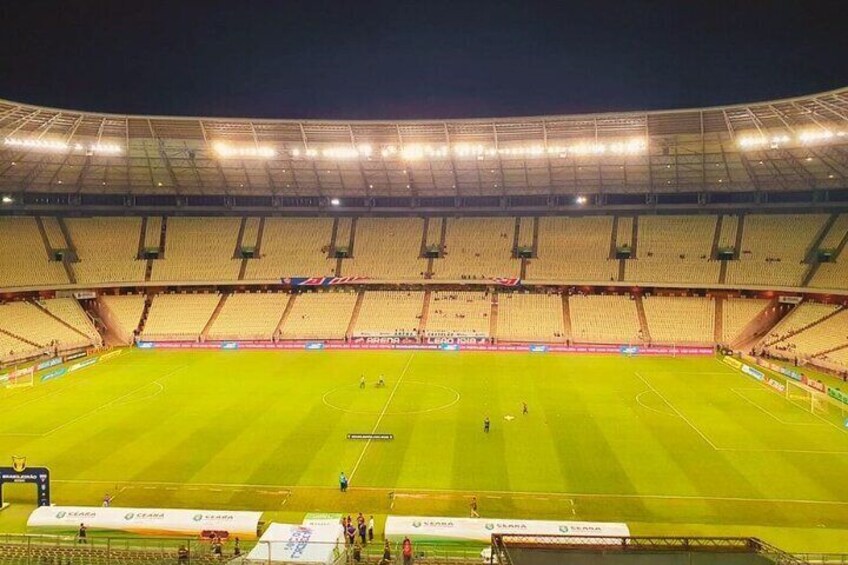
[321,281]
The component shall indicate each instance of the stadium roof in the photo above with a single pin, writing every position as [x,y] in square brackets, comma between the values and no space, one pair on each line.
[783,145]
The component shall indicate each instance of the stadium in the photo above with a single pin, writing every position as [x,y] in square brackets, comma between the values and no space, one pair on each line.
[648,310]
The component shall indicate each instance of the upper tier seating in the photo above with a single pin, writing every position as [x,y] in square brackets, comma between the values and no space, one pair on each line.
[387,248]
[834,275]
[530,317]
[385,313]
[199,249]
[737,313]
[23,258]
[126,311]
[29,322]
[574,250]
[107,249]
[319,315]
[249,316]
[478,248]
[802,316]
[680,320]
[293,247]
[674,249]
[459,314]
[774,248]
[604,319]
[179,316]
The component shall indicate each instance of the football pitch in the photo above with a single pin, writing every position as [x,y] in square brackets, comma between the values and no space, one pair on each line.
[667,445]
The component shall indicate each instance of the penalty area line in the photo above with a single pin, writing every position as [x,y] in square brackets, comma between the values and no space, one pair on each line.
[380,418]
[676,411]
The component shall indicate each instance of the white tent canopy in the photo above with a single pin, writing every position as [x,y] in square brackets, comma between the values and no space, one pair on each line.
[292,543]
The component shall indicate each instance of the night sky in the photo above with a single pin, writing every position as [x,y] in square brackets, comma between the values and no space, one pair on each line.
[421,59]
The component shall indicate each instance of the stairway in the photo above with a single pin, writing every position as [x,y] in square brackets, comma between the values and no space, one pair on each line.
[69,242]
[740,228]
[808,326]
[423,248]
[761,325]
[213,317]
[140,253]
[285,315]
[535,236]
[20,338]
[515,235]
[493,317]
[613,238]
[163,237]
[331,249]
[148,302]
[831,350]
[240,238]
[716,238]
[722,273]
[566,319]
[44,239]
[351,325]
[634,238]
[621,267]
[811,257]
[718,324]
[643,319]
[425,311]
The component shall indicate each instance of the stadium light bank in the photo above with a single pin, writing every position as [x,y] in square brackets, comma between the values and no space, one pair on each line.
[59,146]
[422,151]
[803,138]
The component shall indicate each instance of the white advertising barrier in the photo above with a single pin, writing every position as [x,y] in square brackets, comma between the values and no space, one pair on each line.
[148,521]
[429,529]
[291,543]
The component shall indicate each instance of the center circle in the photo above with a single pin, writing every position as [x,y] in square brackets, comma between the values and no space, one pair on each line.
[411,397]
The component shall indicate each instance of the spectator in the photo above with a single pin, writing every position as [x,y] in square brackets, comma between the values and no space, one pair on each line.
[182,555]
[387,554]
[81,535]
[371,529]
[407,551]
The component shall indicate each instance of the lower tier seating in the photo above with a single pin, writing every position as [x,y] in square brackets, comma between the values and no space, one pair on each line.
[530,317]
[604,319]
[179,316]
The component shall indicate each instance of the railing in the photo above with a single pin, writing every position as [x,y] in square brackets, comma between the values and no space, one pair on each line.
[501,544]
[22,549]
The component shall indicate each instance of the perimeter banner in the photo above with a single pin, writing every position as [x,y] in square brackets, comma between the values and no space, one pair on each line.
[435,529]
[148,521]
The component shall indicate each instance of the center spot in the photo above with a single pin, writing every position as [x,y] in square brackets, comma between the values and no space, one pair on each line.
[411,397]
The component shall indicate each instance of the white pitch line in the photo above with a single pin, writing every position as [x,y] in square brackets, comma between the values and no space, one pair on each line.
[769,412]
[111,402]
[380,418]
[290,488]
[676,411]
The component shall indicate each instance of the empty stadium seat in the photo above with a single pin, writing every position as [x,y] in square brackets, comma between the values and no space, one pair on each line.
[389,313]
[179,316]
[530,317]
[604,319]
[459,314]
[319,315]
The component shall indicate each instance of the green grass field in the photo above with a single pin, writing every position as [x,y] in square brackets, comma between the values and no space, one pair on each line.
[668,445]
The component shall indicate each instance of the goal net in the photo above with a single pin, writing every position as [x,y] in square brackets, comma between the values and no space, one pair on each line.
[817,403]
[20,380]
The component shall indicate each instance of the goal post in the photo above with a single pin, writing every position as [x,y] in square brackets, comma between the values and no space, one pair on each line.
[20,380]
[817,403]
